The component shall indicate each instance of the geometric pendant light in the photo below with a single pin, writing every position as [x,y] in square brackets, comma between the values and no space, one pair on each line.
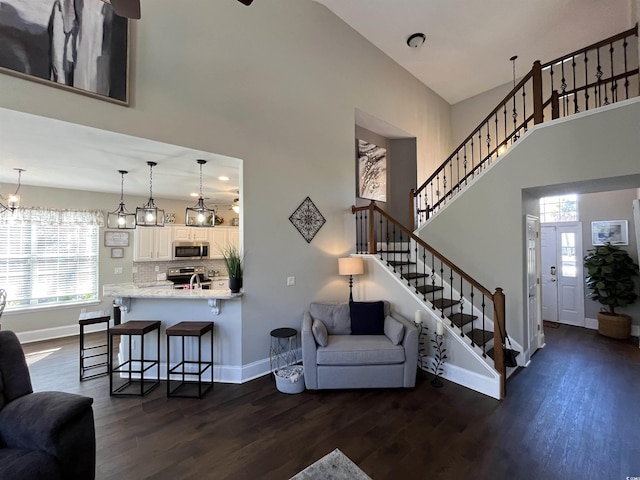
[121,218]
[149,215]
[200,215]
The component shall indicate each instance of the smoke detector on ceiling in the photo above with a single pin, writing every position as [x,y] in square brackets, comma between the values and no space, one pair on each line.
[416,40]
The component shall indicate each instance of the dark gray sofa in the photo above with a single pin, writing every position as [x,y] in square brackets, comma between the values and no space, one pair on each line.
[338,359]
[43,435]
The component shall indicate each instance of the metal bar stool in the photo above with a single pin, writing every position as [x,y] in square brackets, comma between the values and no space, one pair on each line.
[126,369]
[189,368]
[87,353]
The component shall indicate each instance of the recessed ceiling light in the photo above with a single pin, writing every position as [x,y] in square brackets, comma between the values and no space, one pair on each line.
[223,178]
[416,40]
[194,194]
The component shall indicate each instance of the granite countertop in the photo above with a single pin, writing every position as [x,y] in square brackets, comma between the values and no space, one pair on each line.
[135,290]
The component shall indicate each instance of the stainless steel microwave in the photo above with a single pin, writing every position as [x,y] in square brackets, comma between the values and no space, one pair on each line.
[190,250]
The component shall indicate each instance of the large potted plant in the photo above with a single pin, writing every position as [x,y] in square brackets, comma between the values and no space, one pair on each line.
[610,272]
[233,261]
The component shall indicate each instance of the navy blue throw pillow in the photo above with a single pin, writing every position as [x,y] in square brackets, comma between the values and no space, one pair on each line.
[367,318]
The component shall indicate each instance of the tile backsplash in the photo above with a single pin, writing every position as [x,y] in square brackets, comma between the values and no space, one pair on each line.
[147,270]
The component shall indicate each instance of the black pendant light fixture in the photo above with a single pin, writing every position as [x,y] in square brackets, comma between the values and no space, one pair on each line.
[13,200]
[149,215]
[121,218]
[200,215]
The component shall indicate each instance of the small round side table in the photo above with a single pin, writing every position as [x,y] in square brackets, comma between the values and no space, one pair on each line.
[284,344]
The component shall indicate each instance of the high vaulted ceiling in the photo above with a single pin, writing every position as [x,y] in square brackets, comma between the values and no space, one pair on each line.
[469,42]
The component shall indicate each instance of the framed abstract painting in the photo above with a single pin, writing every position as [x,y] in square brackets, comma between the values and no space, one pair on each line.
[372,171]
[77,45]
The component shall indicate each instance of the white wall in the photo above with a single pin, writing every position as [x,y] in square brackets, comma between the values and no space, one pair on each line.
[276,85]
[483,228]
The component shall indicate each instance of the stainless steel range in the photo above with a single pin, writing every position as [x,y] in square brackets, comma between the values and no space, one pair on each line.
[182,277]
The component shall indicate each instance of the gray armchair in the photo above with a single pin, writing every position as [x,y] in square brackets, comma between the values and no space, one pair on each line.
[44,435]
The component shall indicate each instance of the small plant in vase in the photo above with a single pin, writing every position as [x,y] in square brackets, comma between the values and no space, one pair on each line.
[233,261]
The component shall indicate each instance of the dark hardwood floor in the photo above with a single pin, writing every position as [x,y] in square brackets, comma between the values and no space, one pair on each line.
[573,414]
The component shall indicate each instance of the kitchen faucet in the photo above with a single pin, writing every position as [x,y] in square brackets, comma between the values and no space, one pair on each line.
[195,277]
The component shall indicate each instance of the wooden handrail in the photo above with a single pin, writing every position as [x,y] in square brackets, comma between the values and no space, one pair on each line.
[632,31]
[372,207]
[510,95]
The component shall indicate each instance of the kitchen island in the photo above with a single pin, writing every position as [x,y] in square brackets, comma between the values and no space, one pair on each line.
[159,301]
[123,293]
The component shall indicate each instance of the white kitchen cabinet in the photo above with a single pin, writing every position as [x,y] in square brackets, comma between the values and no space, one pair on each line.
[183,233]
[221,237]
[152,244]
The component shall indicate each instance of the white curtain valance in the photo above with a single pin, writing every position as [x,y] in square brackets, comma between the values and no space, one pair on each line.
[52,216]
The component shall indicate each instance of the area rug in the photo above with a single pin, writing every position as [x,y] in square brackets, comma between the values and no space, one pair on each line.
[550,324]
[334,466]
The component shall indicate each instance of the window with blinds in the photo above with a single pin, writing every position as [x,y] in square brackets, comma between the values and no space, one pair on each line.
[48,264]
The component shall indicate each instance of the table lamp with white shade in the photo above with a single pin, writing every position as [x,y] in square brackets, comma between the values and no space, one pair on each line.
[350,266]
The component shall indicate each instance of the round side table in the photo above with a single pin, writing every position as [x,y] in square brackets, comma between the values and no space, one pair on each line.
[284,344]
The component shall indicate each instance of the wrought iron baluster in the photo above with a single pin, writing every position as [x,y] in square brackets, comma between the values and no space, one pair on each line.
[586,81]
[575,95]
[473,161]
[504,114]
[458,169]
[386,237]
[565,98]
[626,68]
[484,325]
[465,164]
[480,157]
[496,121]
[597,89]
[442,284]
[424,272]
[613,83]
[471,299]
[524,108]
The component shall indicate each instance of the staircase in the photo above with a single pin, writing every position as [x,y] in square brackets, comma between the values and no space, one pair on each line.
[596,76]
[465,307]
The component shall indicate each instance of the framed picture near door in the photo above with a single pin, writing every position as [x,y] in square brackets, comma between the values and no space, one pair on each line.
[92,58]
[615,232]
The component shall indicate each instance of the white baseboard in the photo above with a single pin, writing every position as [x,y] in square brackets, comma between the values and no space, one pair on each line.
[592,323]
[221,373]
[489,386]
[57,332]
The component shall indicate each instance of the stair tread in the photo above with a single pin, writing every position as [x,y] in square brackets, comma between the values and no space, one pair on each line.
[444,303]
[424,289]
[414,275]
[491,352]
[397,263]
[480,337]
[461,319]
[393,251]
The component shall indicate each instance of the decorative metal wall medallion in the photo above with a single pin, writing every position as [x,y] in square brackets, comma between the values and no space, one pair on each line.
[307,219]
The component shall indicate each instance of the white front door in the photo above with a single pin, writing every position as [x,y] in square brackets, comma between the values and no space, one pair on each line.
[562,279]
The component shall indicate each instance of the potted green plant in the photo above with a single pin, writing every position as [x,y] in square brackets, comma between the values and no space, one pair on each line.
[610,272]
[233,261]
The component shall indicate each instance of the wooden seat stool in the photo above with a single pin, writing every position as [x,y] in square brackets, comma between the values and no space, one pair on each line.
[135,366]
[189,368]
[89,352]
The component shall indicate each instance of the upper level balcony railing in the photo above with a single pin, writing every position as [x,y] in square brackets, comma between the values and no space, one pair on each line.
[600,74]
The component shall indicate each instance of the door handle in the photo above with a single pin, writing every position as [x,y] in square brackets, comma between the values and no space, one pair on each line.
[553,270]
[553,280]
